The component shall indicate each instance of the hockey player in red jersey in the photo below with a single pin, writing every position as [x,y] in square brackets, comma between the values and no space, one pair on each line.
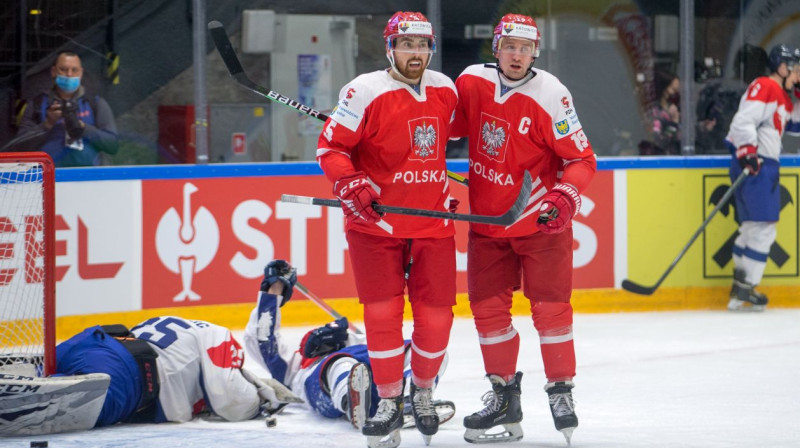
[519,119]
[767,109]
[385,143]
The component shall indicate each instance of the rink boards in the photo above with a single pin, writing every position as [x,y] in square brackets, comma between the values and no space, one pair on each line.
[193,240]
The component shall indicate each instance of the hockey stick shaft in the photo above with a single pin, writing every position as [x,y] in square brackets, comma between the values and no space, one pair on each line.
[234,66]
[324,305]
[648,290]
[505,219]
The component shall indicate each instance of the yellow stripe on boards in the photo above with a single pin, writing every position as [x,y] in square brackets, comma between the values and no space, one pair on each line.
[305,312]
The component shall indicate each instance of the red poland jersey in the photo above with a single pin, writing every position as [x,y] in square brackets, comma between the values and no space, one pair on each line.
[532,127]
[397,137]
[764,111]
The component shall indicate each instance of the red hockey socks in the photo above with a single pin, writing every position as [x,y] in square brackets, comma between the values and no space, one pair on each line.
[384,324]
[498,337]
[553,321]
[429,340]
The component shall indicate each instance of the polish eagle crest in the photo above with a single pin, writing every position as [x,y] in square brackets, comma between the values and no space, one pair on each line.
[424,140]
[494,138]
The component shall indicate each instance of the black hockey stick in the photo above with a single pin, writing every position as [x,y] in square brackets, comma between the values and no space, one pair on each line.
[506,219]
[324,305]
[648,290]
[228,54]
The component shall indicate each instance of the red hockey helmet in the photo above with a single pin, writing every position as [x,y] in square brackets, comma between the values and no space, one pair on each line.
[519,26]
[408,23]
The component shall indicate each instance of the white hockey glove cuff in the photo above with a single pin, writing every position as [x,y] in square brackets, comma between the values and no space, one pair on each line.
[271,391]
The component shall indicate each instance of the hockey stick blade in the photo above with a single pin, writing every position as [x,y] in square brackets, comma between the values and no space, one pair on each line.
[506,219]
[637,288]
[324,305]
[649,290]
[234,66]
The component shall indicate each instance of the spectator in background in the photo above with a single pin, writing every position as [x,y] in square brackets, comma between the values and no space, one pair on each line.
[719,100]
[665,118]
[72,127]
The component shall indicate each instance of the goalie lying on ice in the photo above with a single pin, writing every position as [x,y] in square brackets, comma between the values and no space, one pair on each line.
[166,369]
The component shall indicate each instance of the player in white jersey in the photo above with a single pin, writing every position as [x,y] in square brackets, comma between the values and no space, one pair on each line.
[769,107]
[519,119]
[385,142]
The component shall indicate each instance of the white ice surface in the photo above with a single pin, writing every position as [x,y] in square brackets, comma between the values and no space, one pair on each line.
[678,379]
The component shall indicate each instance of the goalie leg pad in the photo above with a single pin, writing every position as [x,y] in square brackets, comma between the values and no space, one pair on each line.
[35,406]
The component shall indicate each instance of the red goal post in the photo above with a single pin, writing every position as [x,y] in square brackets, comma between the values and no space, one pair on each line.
[27,263]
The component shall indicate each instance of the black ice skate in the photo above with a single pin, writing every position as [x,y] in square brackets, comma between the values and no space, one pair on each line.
[383,430]
[359,392]
[425,416]
[502,408]
[743,296]
[444,409]
[562,407]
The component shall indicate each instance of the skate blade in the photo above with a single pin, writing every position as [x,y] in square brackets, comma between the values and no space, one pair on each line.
[360,384]
[392,440]
[744,306]
[426,439]
[511,433]
[568,435]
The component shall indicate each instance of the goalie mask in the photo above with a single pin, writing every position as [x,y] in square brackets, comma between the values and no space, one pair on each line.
[408,24]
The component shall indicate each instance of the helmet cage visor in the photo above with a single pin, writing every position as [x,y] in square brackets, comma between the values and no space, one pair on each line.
[518,30]
[412,28]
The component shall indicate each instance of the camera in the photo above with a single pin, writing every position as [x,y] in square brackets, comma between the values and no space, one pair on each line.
[69,112]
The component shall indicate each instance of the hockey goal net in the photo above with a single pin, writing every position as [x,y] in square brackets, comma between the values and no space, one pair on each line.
[27,283]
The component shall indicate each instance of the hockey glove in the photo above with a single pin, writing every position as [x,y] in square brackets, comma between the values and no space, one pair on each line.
[748,158]
[326,339]
[357,196]
[558,208]
[452,206]
[280,271]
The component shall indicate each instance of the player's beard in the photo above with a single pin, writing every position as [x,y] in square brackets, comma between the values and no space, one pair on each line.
[413,68]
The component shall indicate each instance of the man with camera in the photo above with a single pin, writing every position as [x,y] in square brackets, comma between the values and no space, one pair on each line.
[69,125]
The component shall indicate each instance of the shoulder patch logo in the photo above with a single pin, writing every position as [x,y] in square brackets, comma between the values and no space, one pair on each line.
[350,93]
[564,102]
[494,137]
[562,127]
[424,132]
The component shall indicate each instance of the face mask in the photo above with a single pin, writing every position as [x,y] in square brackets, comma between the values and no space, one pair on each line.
[68,84]
[675,99]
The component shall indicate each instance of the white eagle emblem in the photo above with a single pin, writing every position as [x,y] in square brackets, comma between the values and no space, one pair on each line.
[493,138]
[424,139]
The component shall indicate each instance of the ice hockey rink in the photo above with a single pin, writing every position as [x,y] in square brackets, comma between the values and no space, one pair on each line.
[708,379]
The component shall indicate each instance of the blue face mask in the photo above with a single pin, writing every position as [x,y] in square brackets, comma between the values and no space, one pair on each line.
[68,84]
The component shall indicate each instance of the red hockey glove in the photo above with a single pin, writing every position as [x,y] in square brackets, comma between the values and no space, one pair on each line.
[748,157]
[558,207]
[452,206]
[357,196]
